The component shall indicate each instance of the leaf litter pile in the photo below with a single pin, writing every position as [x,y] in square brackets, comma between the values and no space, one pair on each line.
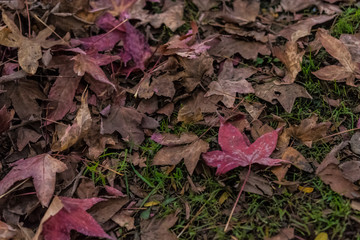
[160,119]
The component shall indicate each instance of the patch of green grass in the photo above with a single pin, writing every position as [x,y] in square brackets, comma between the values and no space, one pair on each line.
[348,22]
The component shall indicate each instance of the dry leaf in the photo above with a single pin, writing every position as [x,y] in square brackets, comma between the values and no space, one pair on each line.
[285,94]
[297,159]
[292,58]
[158,229]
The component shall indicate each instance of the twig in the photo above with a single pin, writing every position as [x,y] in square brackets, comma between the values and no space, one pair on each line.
[339,133]
[14,188]
[238,198]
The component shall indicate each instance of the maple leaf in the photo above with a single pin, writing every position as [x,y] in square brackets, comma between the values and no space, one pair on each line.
[42,168]
[29,48]
[349,69]
[237,150]
[73,216]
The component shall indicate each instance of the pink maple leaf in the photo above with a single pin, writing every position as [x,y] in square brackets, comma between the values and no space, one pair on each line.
[237,150]
[73,216]
[42,168]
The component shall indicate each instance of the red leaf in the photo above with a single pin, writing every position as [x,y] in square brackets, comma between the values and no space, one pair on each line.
[237,150]
[73,216]
[42,168]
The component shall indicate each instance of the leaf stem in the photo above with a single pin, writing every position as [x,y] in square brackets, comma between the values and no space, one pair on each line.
[238,198]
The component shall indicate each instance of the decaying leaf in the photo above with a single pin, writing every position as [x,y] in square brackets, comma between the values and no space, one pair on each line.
[68,136]
[193,109]
[5,118]
[231,81]
[29,48]
[73,216]
[351,170]
[297,159]
[308,130]
[44,180]
[237,150]
[225,47]
[158,229]
[348,69]
[292,58]
[284,234]
[285,94]
[256,184]
[187,147]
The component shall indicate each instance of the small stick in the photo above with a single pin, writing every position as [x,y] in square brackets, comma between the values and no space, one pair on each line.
[238,198]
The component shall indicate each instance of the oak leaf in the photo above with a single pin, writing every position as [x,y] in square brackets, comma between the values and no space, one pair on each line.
[237,150]
[42,168]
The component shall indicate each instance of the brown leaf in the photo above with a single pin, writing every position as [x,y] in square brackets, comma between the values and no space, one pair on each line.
[303,27]
[256,184]
[297,159]
[126,121]
[68,136]
[285,234]
[308,130]
[25,91]
[26,135]
[193,109]
[173,155]
[292,58]
[243,11]
[331,157]
[158,229]
[44,180]
[171,16]
[225,47]
[333,176]
[105,210]
[87,189]
[339,51]
[5,118]
[352,43]
[295,6]
[351,170]
[285,94]
[29,52]
[168,139]
[205,5]
[6,231]
[231,81]
[355,143]
[254,109]
[124,219]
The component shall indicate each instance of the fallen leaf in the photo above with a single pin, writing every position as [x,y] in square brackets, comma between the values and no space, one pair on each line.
[255,184]
[105,210]
[70,135]
[44,180]
[62,92]
[26,91]
[295,6]
[355,143]
[285,94]
[225,47]
[124,219]
[292,58]
[6,231]
[73,216]
[25,136]
[332,157]
[237,150]
[254,109]
[158,229]
[168,139]
[285,234]
[193,109]
[297,159]
[171,16]
[231,81]
[333,176]
[322,236]
[29,52]
[303,27]
[352,43]
[126,121]
[244,11]
[350,170]
[306,189]
[5,118]
[173,155]
[348,69]
[205,5]
[308,130]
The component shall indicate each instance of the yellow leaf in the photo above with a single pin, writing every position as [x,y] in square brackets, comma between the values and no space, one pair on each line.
[322,236]
[306,189]
[223,197]
[152,203]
